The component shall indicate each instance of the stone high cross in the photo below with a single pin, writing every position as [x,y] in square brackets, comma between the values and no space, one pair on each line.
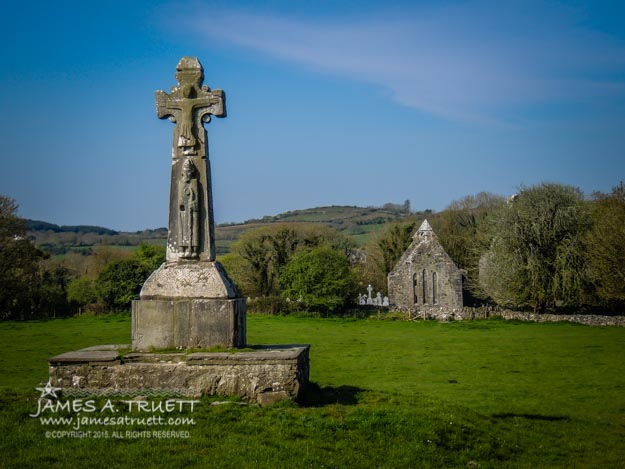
[189,105]
[189,301]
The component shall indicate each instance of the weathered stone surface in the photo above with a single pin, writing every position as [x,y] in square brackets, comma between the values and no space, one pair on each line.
[188,280]
[264,355]
[262,376]
[188,323]
[189,105]
[146,357]
[425,275]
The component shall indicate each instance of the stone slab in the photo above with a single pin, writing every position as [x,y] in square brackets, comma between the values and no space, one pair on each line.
[87,356]
[188,324]
[145,357]
[265,355]
[263,376]
[108,347]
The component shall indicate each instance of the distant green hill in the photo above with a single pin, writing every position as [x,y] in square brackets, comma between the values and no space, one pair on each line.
[58,240]
[358,222]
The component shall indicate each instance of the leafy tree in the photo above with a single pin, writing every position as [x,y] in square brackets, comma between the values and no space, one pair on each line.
[321,278]
[82,291]
[259,269]
[112,276]
[150,256]
[536,256]
[394,244]
[19,265]
[384,251]
[605,246]
[120,282]
[102,256]
[259,256]
[236,267]
[461,232]
[50,294]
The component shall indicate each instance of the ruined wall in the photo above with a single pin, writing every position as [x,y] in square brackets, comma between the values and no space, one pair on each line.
[485,312]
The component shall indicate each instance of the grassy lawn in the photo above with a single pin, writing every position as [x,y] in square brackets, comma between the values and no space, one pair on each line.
[385,394]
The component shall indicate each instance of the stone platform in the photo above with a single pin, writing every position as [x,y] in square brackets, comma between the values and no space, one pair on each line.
[265,375]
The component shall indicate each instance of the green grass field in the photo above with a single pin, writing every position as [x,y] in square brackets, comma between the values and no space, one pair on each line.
[384,394]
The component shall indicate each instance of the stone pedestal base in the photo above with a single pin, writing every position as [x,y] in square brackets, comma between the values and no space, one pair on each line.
[188,280]
[265,375]
[188,323]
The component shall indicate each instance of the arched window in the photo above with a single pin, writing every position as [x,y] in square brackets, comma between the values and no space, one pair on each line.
[415,285]
[424,287]
[434,289]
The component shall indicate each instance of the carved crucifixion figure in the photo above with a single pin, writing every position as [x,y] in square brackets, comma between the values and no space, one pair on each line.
[189,105]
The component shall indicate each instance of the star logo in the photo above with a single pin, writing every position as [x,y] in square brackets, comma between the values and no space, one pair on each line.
[48,390]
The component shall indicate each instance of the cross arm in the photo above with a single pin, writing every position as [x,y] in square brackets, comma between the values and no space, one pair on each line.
[163,108]
[214,104]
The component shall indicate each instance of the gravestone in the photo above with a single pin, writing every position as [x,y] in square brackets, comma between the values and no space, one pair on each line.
[369,298]
[378,299]
[189,302]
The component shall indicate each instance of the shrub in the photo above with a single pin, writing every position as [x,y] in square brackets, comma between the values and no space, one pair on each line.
[82,291]
[321,278]
[120,283]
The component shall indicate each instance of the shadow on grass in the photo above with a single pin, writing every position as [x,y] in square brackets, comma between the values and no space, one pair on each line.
[317,396]
[545,418]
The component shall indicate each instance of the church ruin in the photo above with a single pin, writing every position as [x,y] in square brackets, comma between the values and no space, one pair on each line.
[425,275]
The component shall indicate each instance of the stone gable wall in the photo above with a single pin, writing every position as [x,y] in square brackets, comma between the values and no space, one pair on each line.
[427,270]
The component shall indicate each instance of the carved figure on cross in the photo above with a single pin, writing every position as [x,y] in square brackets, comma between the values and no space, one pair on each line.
[188,211]
[189,105]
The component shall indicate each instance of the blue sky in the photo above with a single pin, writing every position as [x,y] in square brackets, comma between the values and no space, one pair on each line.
[329,103]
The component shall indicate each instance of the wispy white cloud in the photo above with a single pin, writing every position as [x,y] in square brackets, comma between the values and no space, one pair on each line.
[462,61]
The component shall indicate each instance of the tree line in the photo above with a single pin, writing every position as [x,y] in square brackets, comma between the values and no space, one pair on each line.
[546,249]
[35,285]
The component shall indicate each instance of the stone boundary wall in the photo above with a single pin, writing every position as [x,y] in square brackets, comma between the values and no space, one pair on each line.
[484,312]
